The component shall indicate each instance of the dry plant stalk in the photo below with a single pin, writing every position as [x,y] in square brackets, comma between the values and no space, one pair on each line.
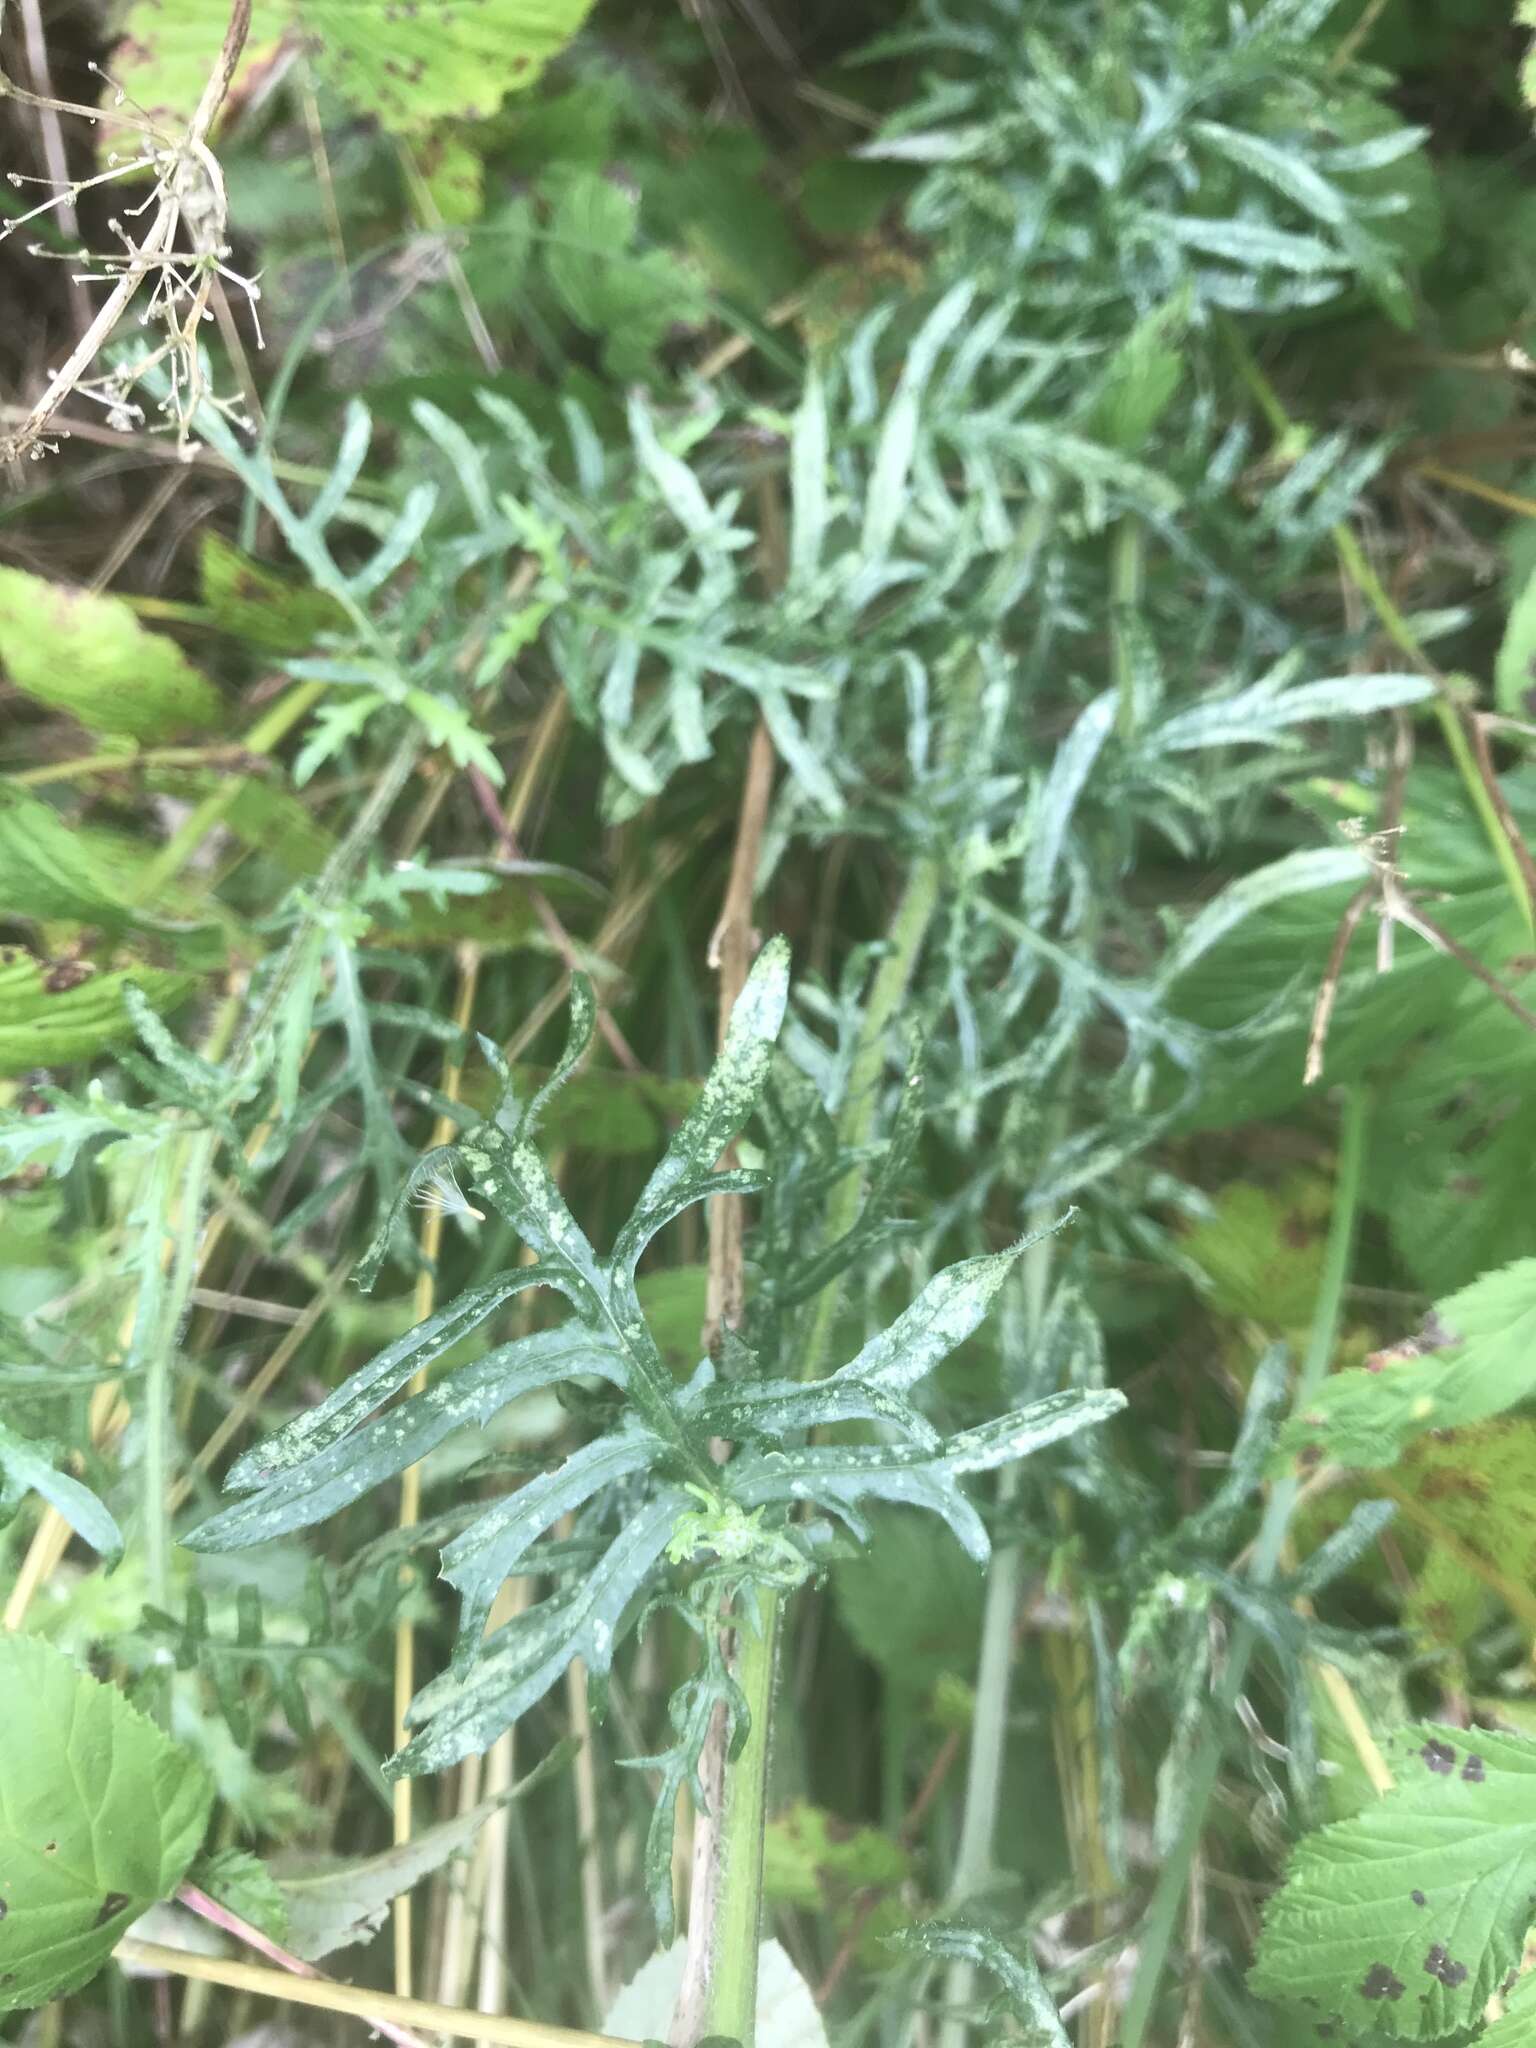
[187,195]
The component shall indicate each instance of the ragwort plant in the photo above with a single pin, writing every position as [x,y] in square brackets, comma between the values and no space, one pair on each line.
[1015,581]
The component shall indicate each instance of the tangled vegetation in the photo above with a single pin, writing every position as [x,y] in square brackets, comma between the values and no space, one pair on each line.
[769,972]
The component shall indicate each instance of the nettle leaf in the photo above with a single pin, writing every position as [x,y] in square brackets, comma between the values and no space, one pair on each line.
[409,66]
[1407,1917]
[1516,2026]
[53,1012]
[1476,1359]
[243,1883]
[100,1815]
[86,654]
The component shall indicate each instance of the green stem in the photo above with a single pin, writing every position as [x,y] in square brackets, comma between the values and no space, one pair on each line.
[974,1858]
[909,928]
[1126,567]
[1162,1913]
[731,2003]
[736,1908]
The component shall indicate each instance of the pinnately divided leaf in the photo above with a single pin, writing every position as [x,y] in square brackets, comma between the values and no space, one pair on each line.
[1406,1918]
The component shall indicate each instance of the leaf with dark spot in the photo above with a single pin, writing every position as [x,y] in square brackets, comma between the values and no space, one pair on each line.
[1439,1757]
[1381,1982]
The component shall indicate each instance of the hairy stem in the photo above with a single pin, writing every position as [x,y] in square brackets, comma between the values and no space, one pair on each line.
[1157,1929]
[730,2004]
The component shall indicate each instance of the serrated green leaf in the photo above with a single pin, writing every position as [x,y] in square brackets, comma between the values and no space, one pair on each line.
[408,65]
[1480,1361]
[1406,1917]
[912,1601]
[100,1814]
[86,654]
[1262,1249]
[244,1884]
[58,869]
[1516,2026]
[412,66]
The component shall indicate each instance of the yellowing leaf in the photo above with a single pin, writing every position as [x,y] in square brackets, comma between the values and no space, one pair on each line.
[1478,1359]
[100,1814]
[413,62]
[88,655]
[54,1012]
[254,604]
[410,62]
[1262,1250]
[167,52]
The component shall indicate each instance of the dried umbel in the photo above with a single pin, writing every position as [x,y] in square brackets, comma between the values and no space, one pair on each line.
[182,252]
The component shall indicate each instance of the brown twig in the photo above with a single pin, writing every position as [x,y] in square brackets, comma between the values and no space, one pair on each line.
[927,1792]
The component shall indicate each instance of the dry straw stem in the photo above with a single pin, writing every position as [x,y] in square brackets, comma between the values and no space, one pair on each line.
[368,2006]
[189,190]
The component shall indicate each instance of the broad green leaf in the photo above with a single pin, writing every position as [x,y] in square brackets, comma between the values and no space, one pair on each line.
[413,66]
[88,655]
[410,65]
[57,869]
[1514,674]
[30,1467]
[1262,1249]
[1478,1359]
[627,297]
[244,1884]
[260,608]
[55,1012]
[911,1600]
[166,53]
[1516,2026]
[1406,1917]
[848,1877]
[100,1814]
